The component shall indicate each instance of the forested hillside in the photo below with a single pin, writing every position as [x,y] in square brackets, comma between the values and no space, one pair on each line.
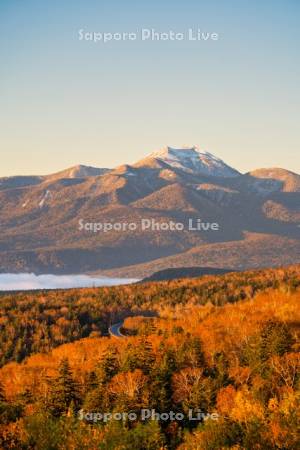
[226,345]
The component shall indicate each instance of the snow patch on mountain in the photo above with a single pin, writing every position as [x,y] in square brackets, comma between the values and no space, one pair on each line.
[217,193]
[47,195]
[193,160]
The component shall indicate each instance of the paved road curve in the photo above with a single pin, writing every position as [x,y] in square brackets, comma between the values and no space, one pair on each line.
[114,330]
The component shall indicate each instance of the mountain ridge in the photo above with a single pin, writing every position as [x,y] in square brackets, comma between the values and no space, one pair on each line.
[39,215]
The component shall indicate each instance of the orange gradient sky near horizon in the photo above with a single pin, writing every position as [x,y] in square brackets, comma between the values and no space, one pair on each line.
[66,101]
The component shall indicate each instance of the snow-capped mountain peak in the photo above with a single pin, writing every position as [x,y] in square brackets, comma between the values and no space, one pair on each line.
[192,159]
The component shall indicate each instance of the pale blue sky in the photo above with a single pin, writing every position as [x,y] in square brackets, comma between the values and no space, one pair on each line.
[66,102]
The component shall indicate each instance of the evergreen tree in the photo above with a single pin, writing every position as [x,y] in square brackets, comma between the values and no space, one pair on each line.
[190,354]
[26,397]
[2,393]
[9,412]
[220,369]
[275,339]
[108,365]
[161,391]
[145,355]
[91,382]
[64,393]
[131,359]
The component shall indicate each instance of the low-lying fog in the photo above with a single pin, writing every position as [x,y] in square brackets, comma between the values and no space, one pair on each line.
[28,281]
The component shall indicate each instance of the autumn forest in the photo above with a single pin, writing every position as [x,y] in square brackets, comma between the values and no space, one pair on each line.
[224,346]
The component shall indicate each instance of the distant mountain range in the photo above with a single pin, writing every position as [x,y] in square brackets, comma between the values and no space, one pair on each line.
[258,214]
[183,272]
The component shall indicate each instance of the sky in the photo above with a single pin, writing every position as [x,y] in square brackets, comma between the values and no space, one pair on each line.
[66,101]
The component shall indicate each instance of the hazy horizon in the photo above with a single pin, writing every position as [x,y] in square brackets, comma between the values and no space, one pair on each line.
[60,169]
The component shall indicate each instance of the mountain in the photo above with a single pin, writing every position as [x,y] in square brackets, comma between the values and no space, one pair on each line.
[254,250]
[78,171]
[183,272]
[285,180]
[189,159]
[19,181]
[257,215]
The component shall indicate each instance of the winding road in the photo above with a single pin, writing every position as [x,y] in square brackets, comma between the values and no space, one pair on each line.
[115,330]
